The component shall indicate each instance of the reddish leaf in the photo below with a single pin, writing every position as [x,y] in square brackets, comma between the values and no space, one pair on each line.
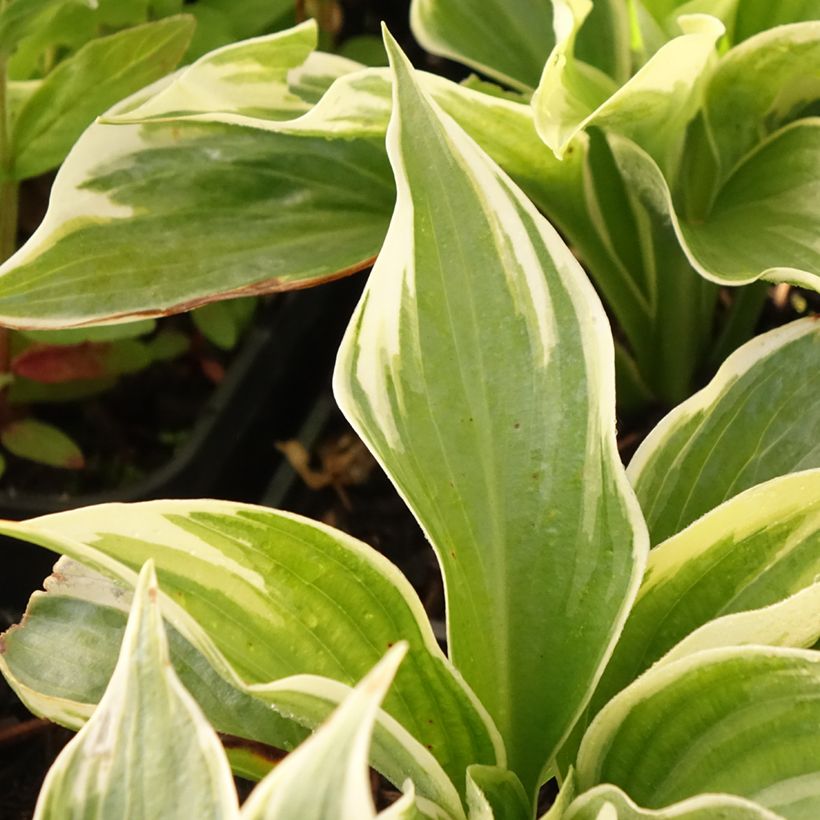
[55,364]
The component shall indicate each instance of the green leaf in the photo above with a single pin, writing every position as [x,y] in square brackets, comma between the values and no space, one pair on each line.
[83,86]
[610,803]
[327,776]
[147,750]
[754,421]
[43,443]
[102,333]
[86,611]
[758,87]
[752,551]
[20,18]
[276,596]
[740,721]
[754,16]
[793,621]
[223,322]
[255,212]
[453,356]
[508,41]
[652,108]
[249,78]
[135,183]
[763,223]
[496,794]
[366,49]
[89,361]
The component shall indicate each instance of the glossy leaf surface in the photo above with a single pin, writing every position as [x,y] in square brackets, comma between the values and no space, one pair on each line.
[467,355]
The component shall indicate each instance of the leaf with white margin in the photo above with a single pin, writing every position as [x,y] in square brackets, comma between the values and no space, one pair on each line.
[312,197]
[652,108]
[276,77]
[740,721]
[468,355]
[794,621]
[758,87]
[255,213]
[82,86]
[496,794]
[267,595]
[327,778]
[608,802]
[566,795]
[763,223]
[752,551]
[756,420]
[88,612]
[147,750]
[508,41]
[394,752]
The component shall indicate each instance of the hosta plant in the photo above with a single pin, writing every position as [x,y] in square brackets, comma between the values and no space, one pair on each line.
[674,145]
[479,369]
[62,63]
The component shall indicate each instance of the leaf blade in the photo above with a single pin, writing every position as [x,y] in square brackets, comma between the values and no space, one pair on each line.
[423,398]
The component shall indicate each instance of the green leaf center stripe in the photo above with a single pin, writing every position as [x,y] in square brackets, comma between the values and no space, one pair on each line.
[476,334]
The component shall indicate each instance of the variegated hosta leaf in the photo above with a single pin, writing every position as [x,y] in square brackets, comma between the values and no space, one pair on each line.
[87,83]
[478,352]
[511,41]
[275,77]
[276,596]
[496,794]
[327,777]
[742,721]
[794,621]
[254,212]
[311,196]
[147,750]
[610,803]
[87,611]
[763,222]
[758,87]
[757,419]
[508,41]
[652,108]
[755,550]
